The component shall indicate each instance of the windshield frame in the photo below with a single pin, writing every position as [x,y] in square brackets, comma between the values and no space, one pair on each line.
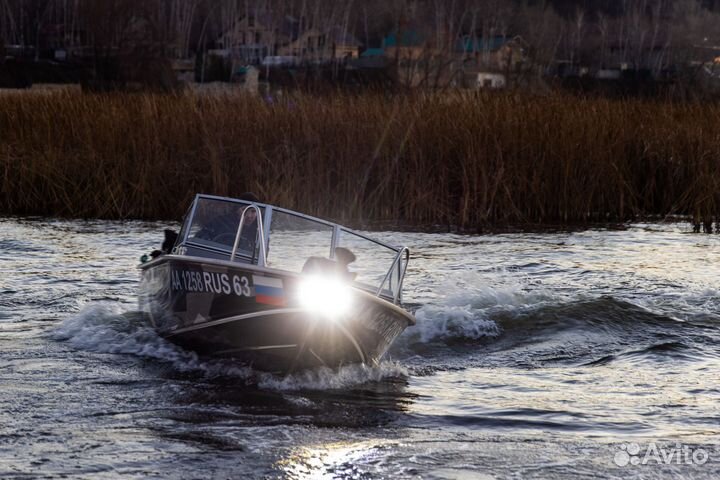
[400,262]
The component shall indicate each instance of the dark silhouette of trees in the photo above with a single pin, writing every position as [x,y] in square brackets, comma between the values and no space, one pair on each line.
[138,38]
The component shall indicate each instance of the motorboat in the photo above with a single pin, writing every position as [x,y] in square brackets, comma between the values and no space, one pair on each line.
[275,289]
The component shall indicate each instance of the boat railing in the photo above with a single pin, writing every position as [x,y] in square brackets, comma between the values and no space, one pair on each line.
[392,279]
[402,269]
[262,259]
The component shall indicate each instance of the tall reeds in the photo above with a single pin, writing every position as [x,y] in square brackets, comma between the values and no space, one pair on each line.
[469,160]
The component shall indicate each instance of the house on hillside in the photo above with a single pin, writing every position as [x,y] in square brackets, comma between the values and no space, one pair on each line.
[254,37]
[405,45]
[322,45]
[498,52]
[471,61]
[413,60]
[344,44]
[489,62]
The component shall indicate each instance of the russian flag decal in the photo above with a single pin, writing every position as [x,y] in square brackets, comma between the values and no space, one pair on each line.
[269,291]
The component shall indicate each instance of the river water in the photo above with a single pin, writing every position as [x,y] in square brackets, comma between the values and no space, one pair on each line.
[550,355]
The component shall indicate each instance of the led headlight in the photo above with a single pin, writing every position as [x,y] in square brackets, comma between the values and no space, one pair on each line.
[327,296]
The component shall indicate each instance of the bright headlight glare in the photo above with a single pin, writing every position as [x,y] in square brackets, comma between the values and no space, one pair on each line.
[327,296]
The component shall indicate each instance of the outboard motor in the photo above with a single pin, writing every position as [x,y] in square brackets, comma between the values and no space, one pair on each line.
[166,247]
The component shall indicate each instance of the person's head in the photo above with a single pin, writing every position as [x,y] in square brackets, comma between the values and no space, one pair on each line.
[344,256]
[250,214]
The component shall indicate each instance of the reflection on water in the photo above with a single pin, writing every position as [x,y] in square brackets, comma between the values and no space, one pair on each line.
[332,460]
[535,356]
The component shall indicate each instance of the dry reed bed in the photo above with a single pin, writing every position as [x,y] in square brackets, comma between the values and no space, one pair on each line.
[460,159]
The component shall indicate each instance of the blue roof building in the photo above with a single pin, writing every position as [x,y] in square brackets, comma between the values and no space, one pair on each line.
[478,44]
[404,38]
[373,52]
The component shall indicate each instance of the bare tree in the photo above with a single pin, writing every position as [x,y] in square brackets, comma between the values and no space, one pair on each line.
[10,22]
[176,19]
[543,30]
[577,35]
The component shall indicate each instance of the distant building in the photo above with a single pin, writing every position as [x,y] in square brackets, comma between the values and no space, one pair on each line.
[183,69]
[405,45]
[489,62]
[490,80]
[498,53]
[344,44]
[470,61]
[320,46]
[414,61]
[254,37]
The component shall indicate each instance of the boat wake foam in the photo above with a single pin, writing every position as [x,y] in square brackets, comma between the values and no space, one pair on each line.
[328,379]
[513,325]
[475,313]
[106,328]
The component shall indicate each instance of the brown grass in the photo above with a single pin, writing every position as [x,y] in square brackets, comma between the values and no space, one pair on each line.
[460,159]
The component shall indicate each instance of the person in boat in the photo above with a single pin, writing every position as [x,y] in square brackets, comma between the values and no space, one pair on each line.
[325,266]
[344,258]
[223,228]
[167,245]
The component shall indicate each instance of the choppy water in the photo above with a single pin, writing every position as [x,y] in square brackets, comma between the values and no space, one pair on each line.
[535,356]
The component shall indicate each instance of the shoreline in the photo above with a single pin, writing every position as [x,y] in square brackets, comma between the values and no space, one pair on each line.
[430,229]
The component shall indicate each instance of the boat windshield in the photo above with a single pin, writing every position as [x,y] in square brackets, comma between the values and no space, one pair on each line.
[292,241]
[377,265]
[213,225]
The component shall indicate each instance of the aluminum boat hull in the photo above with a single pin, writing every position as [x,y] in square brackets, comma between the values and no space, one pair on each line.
[241,311]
